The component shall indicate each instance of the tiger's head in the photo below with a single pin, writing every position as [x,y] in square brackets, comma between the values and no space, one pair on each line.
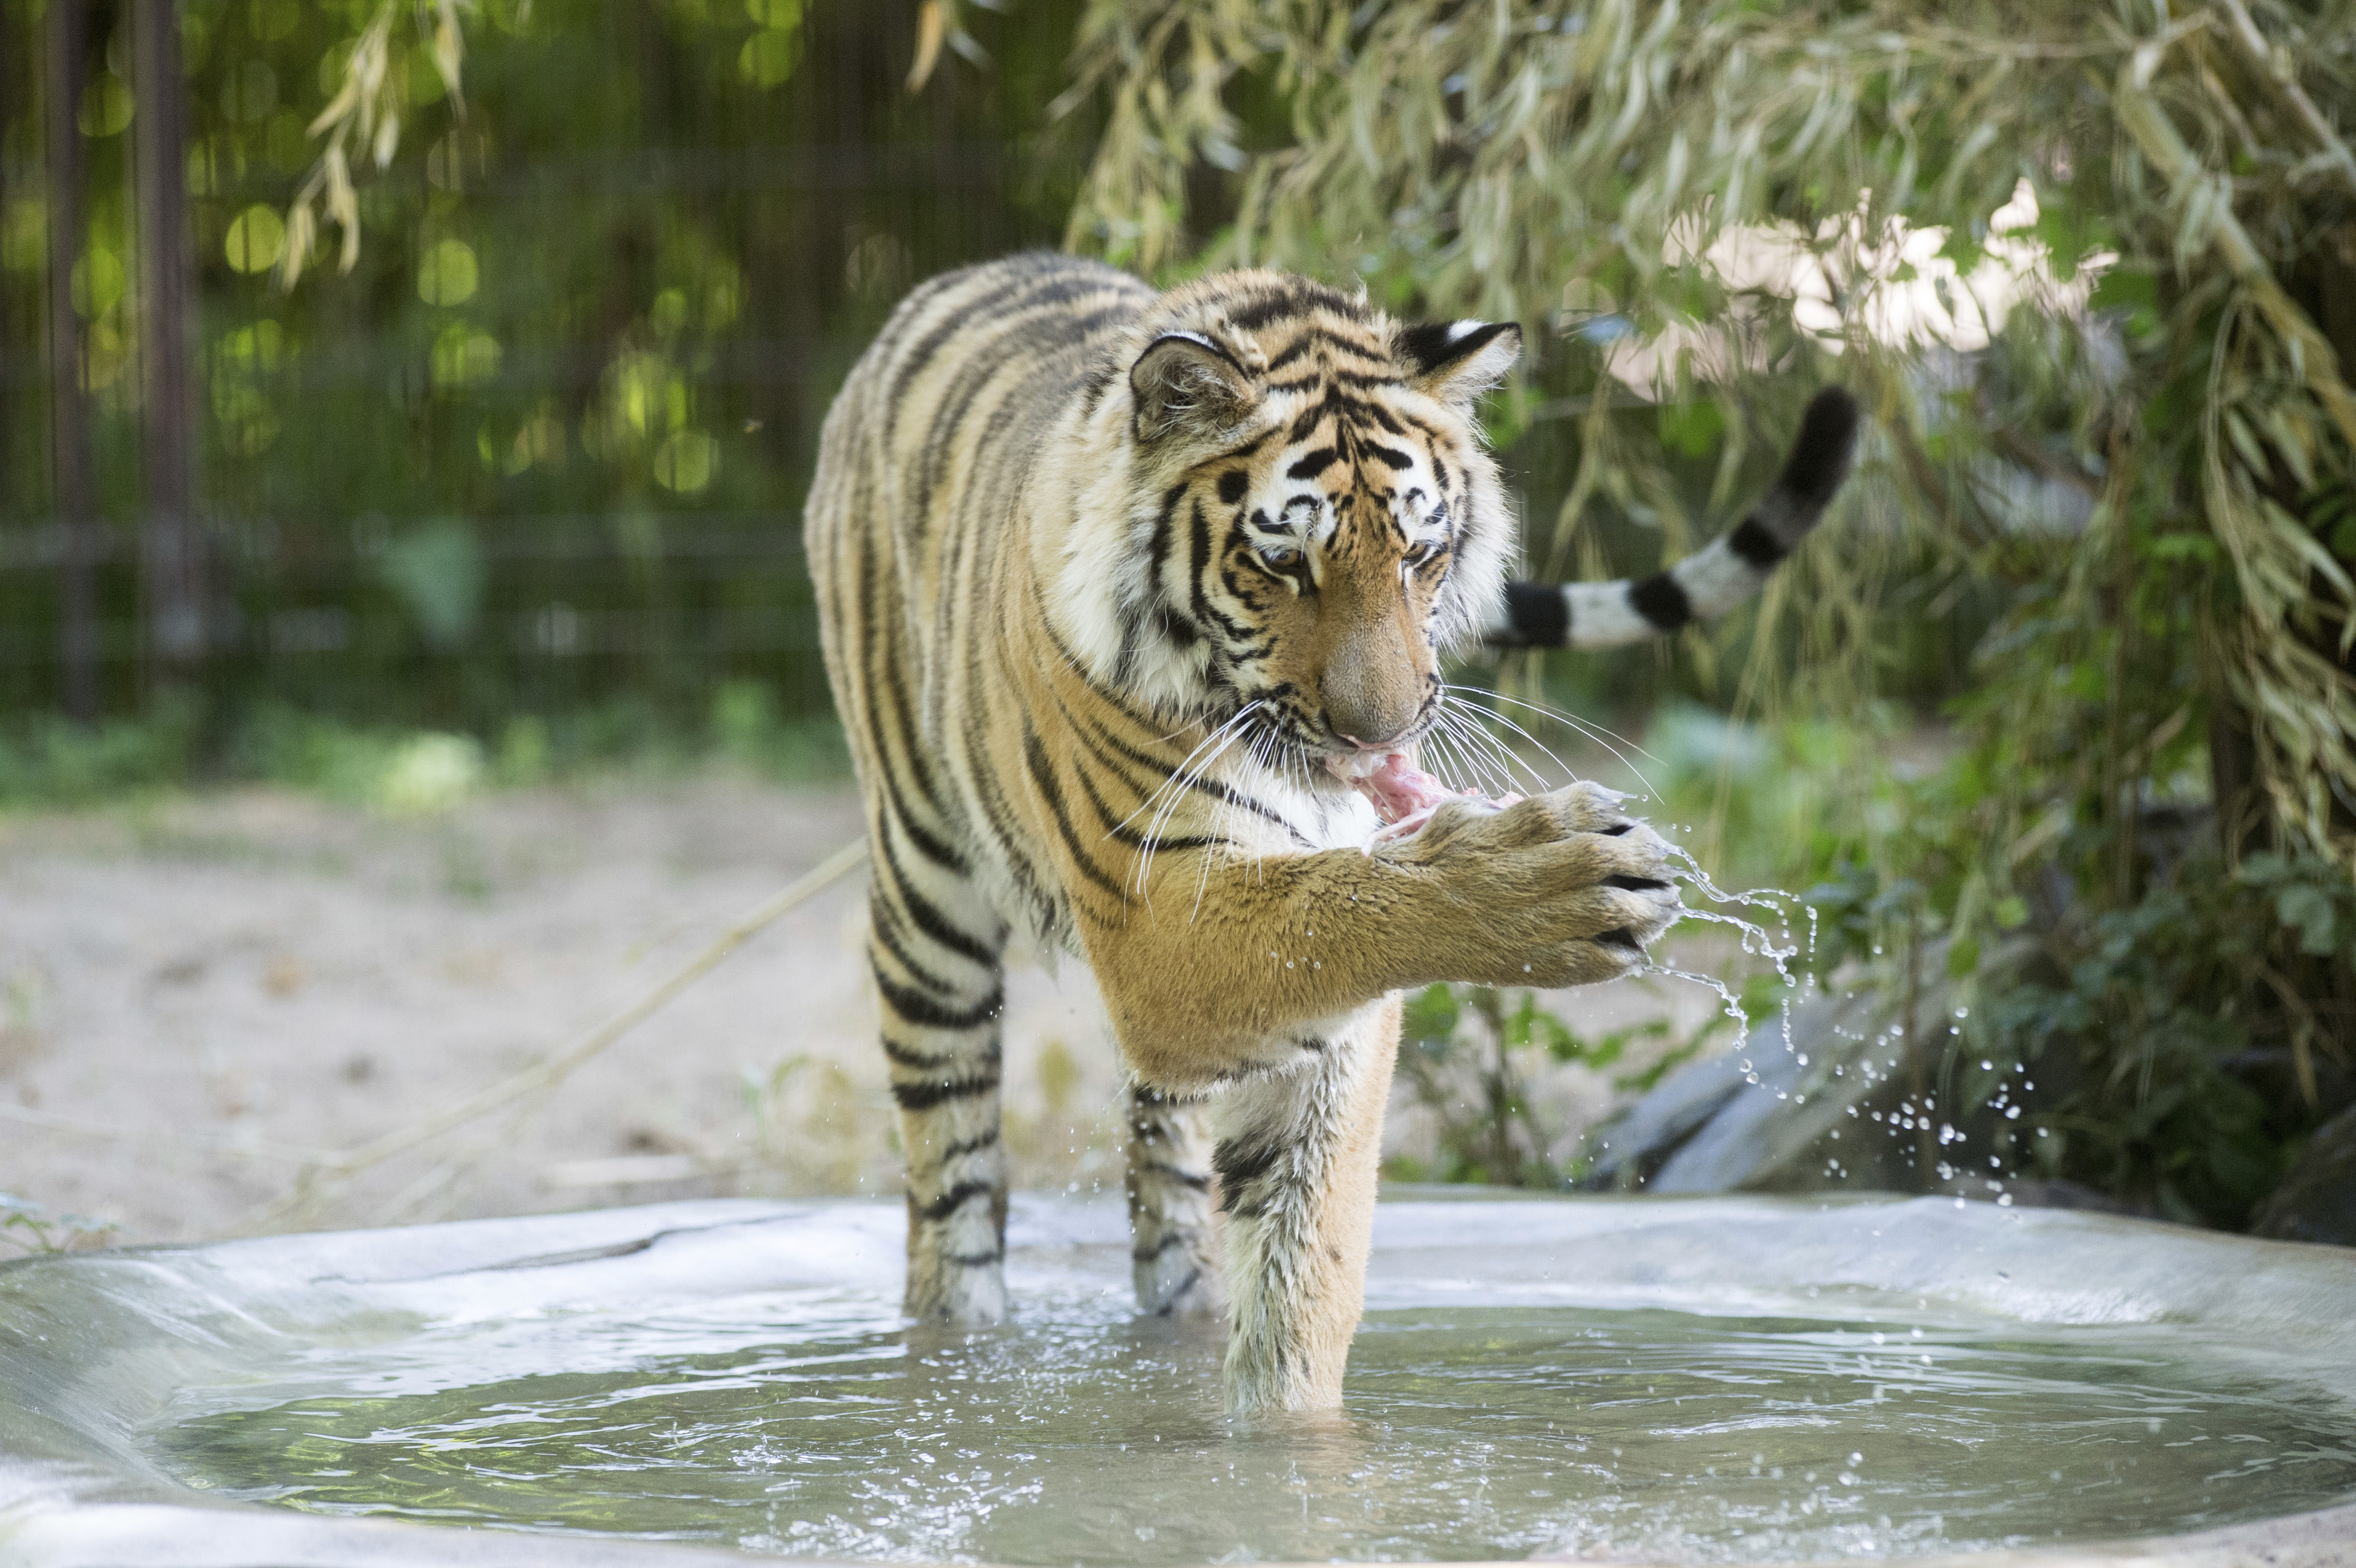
[1313,520]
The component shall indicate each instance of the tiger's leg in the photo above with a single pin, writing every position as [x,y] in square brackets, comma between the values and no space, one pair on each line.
[1297,1159]
[1170,1220]
[935,944]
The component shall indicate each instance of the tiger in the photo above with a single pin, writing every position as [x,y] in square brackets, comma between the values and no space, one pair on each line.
[1113,586]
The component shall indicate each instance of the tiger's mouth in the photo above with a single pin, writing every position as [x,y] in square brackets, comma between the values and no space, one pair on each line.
[1403,795]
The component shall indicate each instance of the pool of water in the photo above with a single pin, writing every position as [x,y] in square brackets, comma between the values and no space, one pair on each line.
[1712,1380]
[821,1427]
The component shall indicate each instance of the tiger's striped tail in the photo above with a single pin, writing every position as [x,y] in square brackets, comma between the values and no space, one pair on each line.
[1711,581]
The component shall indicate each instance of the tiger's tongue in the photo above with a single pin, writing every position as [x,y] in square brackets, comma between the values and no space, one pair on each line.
[1397,788]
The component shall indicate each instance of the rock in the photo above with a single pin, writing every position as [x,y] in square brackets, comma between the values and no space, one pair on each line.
[1837,1100]
[2317,1201]
[1736,1121]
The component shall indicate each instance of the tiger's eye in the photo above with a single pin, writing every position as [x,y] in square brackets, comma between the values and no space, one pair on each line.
[1282,557]
[1231,485]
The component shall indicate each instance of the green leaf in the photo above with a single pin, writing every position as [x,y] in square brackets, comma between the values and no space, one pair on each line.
[1693,429]
[2184,547]
[1964,956]
[1431,1014]
[2125,288]
[2307,909]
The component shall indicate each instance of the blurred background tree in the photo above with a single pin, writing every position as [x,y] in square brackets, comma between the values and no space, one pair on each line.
[2055,716]
[503,398]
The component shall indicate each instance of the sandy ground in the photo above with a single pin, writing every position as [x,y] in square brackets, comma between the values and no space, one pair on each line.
[201,996]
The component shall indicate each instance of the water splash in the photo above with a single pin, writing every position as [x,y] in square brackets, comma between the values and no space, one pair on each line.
[1757,940]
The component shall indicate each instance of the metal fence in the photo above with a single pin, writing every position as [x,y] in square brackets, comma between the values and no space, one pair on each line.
[570,468]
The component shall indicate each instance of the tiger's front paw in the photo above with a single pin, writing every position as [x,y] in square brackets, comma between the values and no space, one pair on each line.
[1558,889]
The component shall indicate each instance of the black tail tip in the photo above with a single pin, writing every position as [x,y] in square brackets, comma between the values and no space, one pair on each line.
[1537,617]
[1827,444]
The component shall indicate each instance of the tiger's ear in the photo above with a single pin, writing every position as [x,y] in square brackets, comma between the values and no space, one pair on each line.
[1183,380]
[1456,361]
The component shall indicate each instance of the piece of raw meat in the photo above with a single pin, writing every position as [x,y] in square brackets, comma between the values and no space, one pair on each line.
[1403,795]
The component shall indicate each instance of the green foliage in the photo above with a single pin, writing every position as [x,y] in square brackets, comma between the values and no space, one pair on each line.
[27,1225]
[50,761]
[2134,474]
[437,571]
[529,432]
[47,763]
[2178,1035]
[1472,1057]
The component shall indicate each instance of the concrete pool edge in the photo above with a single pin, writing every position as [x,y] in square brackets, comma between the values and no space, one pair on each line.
[75,1492]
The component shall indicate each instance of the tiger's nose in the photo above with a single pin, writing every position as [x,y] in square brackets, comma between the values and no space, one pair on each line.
[1368,716]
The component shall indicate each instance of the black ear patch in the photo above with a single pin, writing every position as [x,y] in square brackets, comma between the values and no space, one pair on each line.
[1184,379]
[1456,361]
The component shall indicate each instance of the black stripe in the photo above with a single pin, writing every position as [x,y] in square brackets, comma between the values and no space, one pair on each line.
[924,1097]
[930,845]
[1202,565]
[956,1198]
[1157,592]
[1007,351]
[1239,1166]
[1756,543]
[921,353]
[1248,450]
[1147,1254]
[1193,1178]
[1184,1286]
[1661,600]
[975,1260]
[918,1060]
[1386,379]
[1042,773]
[1294,301]
[1291,351]
[1312,464]
[1099,380]
[1310,333]
[1537,615]
[1310,418]
[1118,830]
[915,1007]
[1380,415]
[1004,825]
[929,918]
[1201,786]
[974,1145]
[885,927]
[1111,696]
[1105,759]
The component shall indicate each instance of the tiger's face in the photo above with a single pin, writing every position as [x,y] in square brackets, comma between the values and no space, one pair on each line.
[1324,521]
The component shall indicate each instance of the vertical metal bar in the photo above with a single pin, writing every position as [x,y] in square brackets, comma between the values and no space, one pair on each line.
[178,617]
[66,66]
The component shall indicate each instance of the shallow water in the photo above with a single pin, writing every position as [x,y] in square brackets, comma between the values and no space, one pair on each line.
[814,1424]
